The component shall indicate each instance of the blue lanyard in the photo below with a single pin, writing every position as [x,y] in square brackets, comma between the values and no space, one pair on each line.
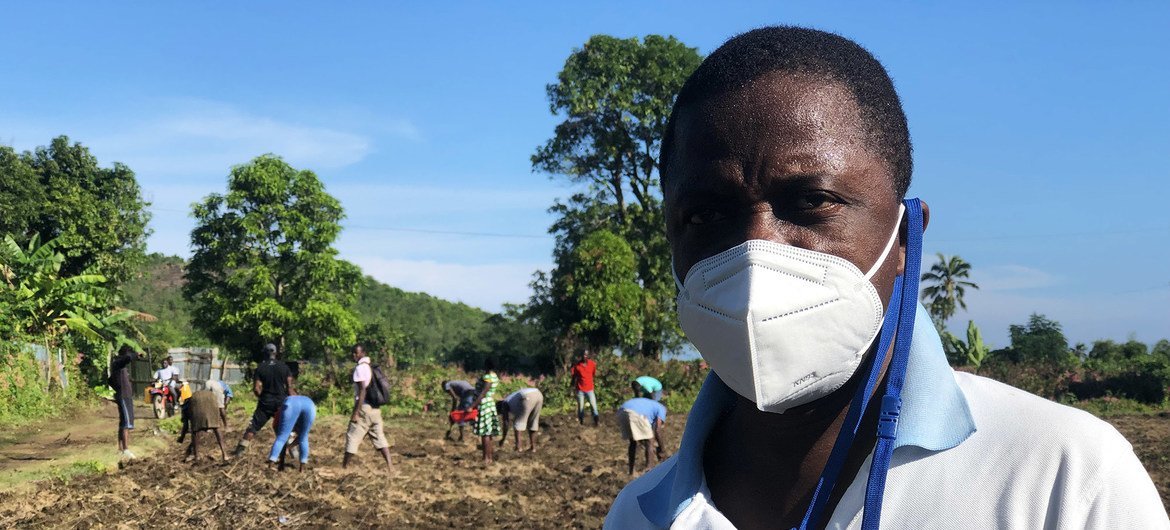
[899,316]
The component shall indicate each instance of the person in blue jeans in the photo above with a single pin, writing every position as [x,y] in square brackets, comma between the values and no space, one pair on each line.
[296,415]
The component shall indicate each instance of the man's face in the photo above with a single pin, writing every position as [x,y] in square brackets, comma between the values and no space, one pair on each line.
[166,363]
[358,353]
[784,159]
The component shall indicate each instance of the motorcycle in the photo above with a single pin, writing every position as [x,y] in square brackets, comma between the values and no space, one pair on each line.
[162,399]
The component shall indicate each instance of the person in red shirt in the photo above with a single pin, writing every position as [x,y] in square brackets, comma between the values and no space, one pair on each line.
[582,379]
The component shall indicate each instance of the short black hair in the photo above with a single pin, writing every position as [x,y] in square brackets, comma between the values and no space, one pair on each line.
[748,56]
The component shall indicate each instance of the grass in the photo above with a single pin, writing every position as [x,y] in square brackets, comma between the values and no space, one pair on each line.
[1111,406]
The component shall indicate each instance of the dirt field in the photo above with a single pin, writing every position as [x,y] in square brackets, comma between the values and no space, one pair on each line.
[569,483]
[439,484]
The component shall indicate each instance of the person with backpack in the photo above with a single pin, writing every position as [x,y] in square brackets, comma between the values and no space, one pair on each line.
[371,391]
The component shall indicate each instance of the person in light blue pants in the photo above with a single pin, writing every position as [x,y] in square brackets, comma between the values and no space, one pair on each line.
[296,414]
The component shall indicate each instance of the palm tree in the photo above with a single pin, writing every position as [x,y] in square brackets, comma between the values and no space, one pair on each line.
[945,284]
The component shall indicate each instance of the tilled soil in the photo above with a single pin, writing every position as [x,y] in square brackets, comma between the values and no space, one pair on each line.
[1150,437]
[569,483]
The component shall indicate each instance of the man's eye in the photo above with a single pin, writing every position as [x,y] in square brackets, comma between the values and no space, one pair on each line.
[706,216]
[814,201]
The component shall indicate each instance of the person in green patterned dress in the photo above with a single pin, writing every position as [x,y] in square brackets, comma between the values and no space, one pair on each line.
[487,424]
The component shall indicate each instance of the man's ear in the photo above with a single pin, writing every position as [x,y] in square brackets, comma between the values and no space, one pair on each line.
[903,236]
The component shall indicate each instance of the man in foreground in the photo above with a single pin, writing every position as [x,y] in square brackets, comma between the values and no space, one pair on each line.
[123,396]
[784,167]
[640,422]
[522,407]
[271,383]
[366,420]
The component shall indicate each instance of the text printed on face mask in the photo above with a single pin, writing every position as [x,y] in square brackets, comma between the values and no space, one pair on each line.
[804,379]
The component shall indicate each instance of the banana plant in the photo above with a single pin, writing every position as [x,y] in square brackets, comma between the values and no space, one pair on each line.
[974,351]
[37,301]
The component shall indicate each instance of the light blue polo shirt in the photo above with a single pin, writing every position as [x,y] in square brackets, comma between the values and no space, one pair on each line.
[935,416]
[649,383]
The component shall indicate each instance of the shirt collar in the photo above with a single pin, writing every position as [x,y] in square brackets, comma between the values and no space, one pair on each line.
[364,360]
[934,416]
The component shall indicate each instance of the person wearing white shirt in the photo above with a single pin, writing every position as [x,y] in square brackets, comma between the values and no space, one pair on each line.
[785,165]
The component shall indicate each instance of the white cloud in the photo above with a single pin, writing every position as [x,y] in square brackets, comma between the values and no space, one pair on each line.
[207,138]
[1012,278]
[170,138]
[486,286]
[366,200]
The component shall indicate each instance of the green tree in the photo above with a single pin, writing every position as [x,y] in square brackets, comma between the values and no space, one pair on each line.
[1040,340]
[96,215]
[593,294]
[264,267]
[615,96]
[516,344]
[945,285]
[1161,350]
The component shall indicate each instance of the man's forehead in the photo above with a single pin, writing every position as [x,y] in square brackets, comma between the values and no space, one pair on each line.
[781,126]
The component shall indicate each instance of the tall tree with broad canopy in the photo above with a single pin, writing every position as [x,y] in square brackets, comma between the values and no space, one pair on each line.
[264,267]
[615,96]
[95,215]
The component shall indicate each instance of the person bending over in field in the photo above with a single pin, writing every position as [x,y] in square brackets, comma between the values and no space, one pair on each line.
[295,416]
[462,399]
[271,383]
[523,407]
[201,413]
[647,386]
[223,397]
[487,424]
[639,421]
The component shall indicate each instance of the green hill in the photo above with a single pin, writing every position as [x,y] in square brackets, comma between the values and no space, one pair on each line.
[418,326]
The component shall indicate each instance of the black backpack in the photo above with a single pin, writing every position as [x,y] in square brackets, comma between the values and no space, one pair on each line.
[378,392]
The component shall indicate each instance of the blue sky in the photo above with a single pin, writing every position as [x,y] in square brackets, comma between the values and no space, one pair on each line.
[1041,131]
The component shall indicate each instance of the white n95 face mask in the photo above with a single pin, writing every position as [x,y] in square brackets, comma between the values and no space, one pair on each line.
[780,325]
